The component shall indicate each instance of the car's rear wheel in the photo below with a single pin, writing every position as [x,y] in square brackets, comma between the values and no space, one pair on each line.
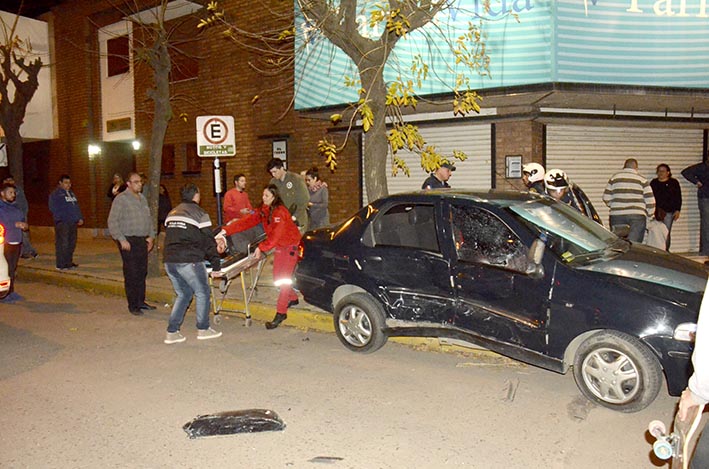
[359,323]
[617,371]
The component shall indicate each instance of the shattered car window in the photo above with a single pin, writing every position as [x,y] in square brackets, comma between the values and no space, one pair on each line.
[481,237]
[564,230]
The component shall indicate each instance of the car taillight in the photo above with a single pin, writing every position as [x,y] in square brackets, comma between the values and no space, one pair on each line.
[301,250]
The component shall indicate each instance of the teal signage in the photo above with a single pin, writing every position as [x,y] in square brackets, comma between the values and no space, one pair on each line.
[633,42]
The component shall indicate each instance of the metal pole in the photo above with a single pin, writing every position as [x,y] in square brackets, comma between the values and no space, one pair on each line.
[218,189]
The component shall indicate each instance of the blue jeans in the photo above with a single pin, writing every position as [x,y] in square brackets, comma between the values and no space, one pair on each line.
[64,244]
[668,221]
[637,225]
[704,226]
[188,279]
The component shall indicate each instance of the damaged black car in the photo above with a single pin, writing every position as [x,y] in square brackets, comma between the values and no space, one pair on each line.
[516,273]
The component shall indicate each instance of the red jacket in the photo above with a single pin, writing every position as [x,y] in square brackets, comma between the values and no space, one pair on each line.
[281,230]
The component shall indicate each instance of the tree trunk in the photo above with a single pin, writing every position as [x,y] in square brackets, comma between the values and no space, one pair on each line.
[160,95]
[376,146]
[14,153]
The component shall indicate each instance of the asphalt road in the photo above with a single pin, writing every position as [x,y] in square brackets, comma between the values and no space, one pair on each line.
[83,384]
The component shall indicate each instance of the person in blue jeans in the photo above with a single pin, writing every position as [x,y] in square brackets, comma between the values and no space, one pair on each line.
[188,242]
[698,174]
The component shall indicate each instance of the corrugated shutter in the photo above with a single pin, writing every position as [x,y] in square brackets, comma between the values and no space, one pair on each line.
[473,173]
[590,155]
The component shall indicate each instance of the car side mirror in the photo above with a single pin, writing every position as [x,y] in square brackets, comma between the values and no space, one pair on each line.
[621,231]
[535,269]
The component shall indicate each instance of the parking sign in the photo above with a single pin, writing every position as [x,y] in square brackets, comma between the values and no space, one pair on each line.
[215,136]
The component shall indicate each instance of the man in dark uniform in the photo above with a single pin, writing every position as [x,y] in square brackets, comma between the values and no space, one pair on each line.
[439,178]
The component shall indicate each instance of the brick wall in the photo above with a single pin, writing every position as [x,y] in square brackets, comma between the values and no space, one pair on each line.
[517,137]
[225,86]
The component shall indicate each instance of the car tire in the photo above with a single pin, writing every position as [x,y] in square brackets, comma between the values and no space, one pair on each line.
[617,371]
[359,323]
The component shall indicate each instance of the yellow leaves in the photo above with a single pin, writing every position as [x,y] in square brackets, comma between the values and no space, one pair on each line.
[366,114]
[285,34]
[395,22]
[400,164]
[183,116]
[329,151]
[463,105]
[255,99]
[405,136]
[401,94]
[351,82]
[213,17]
[212,6]
[335,119]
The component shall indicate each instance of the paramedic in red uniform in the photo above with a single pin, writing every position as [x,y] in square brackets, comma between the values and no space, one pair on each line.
[283,235]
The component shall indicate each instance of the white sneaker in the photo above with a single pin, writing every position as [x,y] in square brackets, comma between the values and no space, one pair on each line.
[204,334]
[174,338]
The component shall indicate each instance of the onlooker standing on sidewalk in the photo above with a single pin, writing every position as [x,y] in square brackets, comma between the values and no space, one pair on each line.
[188,241]
[236,200]
[318,213]
[292,190]
[28,251]
[629,196]
[439,178]
[668,198]
[130,224]
[698,174]
[117,186]
[67,217]
[13,220]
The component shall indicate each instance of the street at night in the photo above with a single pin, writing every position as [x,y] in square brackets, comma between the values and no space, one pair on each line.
[86,384]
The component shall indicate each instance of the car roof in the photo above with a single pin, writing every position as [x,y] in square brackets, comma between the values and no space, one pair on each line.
[502,198]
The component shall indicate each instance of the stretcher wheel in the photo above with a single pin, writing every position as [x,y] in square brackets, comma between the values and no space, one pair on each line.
[217,319]
[247,322]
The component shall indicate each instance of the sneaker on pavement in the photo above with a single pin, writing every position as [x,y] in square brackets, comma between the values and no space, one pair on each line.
[174,338]
[204,334]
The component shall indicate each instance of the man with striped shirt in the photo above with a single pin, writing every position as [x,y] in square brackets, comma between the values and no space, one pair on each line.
[629,196]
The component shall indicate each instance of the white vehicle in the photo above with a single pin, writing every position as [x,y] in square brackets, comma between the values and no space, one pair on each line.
[4,275]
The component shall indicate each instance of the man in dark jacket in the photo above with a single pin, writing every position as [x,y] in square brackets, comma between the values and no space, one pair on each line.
[188,242]
[67,217]
[13,220]
[698,174]
[439,178]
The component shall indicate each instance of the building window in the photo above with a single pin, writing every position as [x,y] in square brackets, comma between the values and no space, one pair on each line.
[193,163]
[118,55]
[167,165]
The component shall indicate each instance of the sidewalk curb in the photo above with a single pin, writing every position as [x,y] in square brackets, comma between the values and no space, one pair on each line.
[298,318]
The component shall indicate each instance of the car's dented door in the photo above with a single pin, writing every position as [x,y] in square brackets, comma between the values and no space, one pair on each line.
[498,299]
[405,265]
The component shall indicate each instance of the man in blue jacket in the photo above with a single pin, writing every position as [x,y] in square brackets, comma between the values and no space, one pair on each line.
[67,217]
[13,220]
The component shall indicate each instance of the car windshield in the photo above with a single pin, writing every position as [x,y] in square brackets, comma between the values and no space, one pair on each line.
[569,234]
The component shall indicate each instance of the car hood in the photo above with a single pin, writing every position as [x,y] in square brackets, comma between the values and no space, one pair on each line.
[652,265]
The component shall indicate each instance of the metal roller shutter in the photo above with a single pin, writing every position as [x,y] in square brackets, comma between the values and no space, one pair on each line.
[590,155]
[473,173]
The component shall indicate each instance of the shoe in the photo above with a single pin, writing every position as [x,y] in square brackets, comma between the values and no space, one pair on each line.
[204,334]
[148,307]
[277,319]
[136,312]
[61,269]
[174,338]
[74,265]
[292,303]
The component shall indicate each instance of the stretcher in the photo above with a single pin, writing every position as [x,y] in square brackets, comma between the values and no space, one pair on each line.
[233,266]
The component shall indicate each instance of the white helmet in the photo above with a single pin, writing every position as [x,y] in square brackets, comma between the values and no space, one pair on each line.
[534,171]
[555,179]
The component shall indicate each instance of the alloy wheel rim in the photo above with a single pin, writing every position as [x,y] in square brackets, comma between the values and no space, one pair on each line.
[355,326]
[611,375]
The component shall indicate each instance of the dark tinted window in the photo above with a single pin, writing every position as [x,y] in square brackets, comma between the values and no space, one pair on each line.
[483,238]
[406,225]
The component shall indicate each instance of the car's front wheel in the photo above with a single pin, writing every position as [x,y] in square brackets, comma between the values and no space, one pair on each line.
[359,323]
[617,371]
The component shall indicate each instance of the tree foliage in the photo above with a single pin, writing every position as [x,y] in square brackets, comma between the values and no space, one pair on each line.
[381,106]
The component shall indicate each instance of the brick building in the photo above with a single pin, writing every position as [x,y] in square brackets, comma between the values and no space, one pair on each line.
[222,83]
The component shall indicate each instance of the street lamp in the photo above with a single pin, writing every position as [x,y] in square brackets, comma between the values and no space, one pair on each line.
[94,150]
[136,145]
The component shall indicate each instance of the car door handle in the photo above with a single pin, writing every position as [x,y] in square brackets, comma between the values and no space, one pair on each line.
[374,258]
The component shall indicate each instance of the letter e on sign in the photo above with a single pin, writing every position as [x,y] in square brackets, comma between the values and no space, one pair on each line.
[215,136]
